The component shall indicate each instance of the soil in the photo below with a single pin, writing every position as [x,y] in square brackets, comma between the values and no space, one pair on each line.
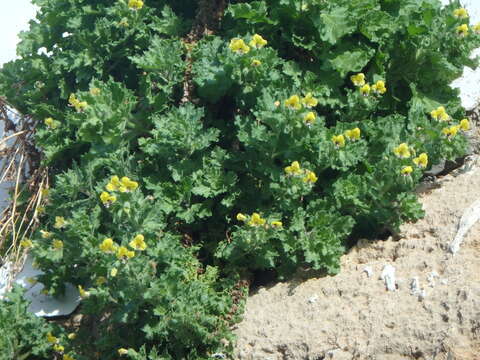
[353,316]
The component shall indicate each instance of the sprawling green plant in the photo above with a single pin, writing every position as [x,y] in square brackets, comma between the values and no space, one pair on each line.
[191,143]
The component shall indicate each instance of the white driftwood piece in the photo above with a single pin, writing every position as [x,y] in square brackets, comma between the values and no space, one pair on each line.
[388,275]
[469,218]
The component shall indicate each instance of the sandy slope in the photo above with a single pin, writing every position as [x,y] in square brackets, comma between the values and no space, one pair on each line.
[352,316]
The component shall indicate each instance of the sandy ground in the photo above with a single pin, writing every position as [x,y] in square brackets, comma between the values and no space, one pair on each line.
[353,316]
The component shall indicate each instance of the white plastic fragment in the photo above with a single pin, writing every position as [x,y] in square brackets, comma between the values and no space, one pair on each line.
[415,286]
[388,275]
[368,270]
[469,218]
[40,304]
[313,299]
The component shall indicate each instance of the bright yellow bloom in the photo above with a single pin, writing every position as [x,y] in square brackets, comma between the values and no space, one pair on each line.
[365,89]
[462,30]
[460,13]
[338,140]
[476,28]
[421,160]
[71,336]
[294,169]
[353,134]
[402,151]
[309,101]
[128,184]
[67,357]
[310,177]
[465,125]
[451,131]
[138,243]
[26,243]
[379,87]
[241,217]
[135,4]
[358,80]
[256,220]
[58,348]
[257,42]
[256,62]
[406,170]
[106,198]
[51,339]
[238,46]
[293,102]
[113,272]
[123,253]
[94,91]
[57,244]
[108,245]
[122,351]
[100,280]
[83,294]
[59,222]
[277,224]
[77,104]
[52,124]
[440,114]
[310,118]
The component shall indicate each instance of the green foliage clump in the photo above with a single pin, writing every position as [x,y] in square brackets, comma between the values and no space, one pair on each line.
[182,157]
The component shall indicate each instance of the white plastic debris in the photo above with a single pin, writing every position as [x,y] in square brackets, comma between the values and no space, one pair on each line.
[415,286]
[388,275]
[313,299]
[368,270]
[431,278]
[40,304]
[469,218]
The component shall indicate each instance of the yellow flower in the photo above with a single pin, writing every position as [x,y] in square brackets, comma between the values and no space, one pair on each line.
[462,30]
[310,177]
[421,160]
[77,104]
[52,124]
[353,134]
[277,224]
[67,357]
[257,42]
[26,243]
[113,272]
[379,87]
[358,80]
[238,46]
[293,102]
[241,217]
[460,13]
[135,4]
[123,253]
[40,209]
[338,141]
[45,192]
[128,184]
[59,222]
[256,62]
[51,339]
[138,243]
[310,118]
[451,131]
[108,245]
[309,101]
[100,280]
[406,170]
[439,114]
[83,294]
[465,125]
[476,28]
[57,244]
[106,198]
[256,220]
[402,151]
[58,348]
[72,336]
[294,169]
[365,89]
[94,91]
[122,351]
